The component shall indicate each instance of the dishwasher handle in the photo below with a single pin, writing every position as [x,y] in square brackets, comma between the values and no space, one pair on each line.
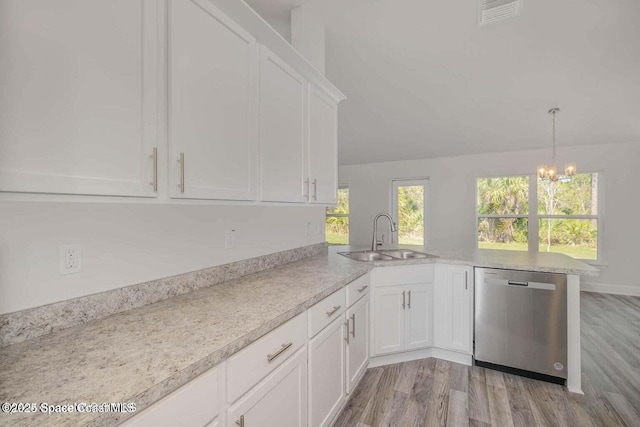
[516,283]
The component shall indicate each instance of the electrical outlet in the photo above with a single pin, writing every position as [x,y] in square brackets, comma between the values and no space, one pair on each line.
[307,228]
[70,259]
[229,239]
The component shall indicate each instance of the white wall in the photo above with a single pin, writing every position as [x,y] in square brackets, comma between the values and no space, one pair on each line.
[125,244]
[451,219]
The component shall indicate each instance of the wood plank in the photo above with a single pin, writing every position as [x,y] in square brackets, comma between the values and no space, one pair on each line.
[394,411]
[417,403]
[626,411]
[359,398]
[518,401]
[438,403]
[375,410]
[478,399]
[458,411]
[499,406]
[407,376]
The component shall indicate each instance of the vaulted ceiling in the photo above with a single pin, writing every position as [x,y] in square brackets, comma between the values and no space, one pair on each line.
[424,80]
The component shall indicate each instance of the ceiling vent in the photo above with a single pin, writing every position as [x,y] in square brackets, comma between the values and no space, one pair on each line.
[498,10]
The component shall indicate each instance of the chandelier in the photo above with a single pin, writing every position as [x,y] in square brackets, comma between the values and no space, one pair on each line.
[550,173]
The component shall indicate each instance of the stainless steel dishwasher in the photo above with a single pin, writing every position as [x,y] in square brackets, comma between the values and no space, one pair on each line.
[521,322]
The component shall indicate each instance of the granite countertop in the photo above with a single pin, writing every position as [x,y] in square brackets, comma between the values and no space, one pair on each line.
[145,353]
[514,260]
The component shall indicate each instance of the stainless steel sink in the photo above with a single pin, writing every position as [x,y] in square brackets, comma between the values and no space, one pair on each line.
[386,255]
[405,254]
[366,256]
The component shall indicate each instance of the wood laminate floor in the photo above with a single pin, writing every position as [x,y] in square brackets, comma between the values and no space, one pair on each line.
[433,392]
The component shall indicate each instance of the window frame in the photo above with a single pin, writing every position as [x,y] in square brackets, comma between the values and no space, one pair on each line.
[533,217]
[405,182]
[336,215]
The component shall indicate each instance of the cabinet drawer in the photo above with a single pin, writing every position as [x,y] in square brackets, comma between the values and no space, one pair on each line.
[358,288]
[321,314]
[405,275]
[195,403]
[250,365]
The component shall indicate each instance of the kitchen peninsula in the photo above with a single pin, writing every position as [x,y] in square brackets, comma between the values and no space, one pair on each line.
[143,354]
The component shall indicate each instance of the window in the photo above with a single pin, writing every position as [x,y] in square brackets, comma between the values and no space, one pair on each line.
[409,201]
[564,216]
[568,216]
[503,213]
[337,222]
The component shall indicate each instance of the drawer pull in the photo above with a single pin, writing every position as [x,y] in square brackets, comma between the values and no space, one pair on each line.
[363,288]
[240,422]
[409,304]
[270,357]
[335,308]
[181,162]
[346,337]
[154,157]
[353,325]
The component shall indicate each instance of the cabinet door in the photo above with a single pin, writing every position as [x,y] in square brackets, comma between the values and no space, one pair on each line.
[278,401]
[283,166]
[212,104]
[453,307]
[323,147]
[389,320]
[327,373]
[358,344]
[419,312]
[79,84]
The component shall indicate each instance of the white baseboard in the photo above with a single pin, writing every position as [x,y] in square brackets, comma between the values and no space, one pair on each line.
[610,289]
[452,356]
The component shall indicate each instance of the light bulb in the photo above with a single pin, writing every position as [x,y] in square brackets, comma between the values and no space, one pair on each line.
[570,169]
[542,171]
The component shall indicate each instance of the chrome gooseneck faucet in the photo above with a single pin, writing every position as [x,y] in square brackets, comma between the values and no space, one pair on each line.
[375,243]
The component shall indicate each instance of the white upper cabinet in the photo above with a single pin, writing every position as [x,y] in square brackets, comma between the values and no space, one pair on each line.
[323,147]
[78,110]
[212,117]
[283,166]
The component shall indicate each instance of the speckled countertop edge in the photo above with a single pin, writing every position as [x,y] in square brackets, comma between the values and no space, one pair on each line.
[84,363]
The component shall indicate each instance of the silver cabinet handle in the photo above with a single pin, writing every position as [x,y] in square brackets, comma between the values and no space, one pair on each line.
[315,189]
[306,185]
[284,348]
[403,295]
[346,337]
[363,288]
[240,422]
[154,156]
[353,325]
[181,161]
[409,304]
[335,308]
[466,280]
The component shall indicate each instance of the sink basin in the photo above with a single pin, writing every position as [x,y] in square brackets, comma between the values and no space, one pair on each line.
[385,255]
[366,256]
[405,254]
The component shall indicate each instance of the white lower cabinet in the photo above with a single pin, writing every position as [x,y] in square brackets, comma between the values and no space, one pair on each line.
[197,403]
[403,309]
[453,307]
[389,320]
[357,353]
[419,316]
[280,400]
[327,373]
